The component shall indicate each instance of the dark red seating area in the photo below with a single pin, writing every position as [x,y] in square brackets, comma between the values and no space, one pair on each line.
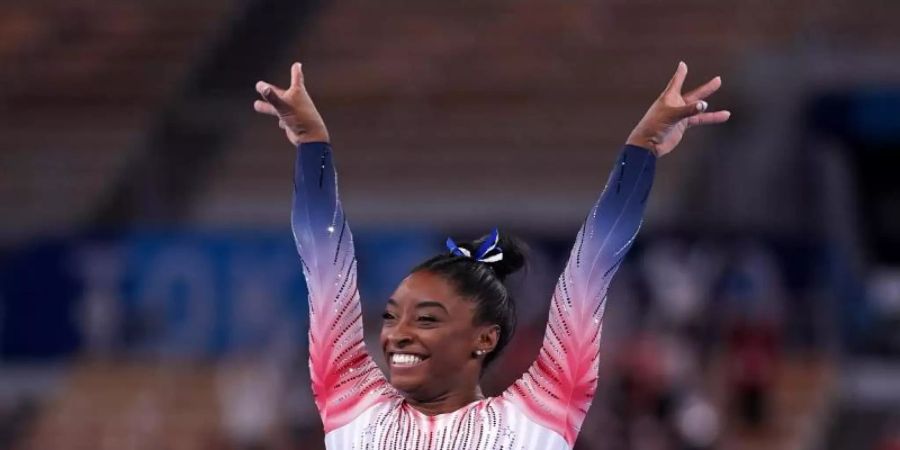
[540,92]
[80,83]
[101,54]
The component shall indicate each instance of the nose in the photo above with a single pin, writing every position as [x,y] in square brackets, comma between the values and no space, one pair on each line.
[400,335]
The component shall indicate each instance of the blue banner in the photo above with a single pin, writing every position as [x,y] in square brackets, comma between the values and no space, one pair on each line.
[175,293]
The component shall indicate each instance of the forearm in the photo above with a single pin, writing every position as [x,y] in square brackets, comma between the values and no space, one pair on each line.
[317,218]
[615,218]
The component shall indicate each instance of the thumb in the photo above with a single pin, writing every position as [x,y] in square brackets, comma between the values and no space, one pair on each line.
[690,110]
[297,75]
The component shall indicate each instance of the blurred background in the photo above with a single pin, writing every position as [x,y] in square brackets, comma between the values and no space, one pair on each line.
[151,298]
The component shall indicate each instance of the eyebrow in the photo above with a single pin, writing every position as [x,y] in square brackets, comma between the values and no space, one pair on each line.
[432,304]
[424,304]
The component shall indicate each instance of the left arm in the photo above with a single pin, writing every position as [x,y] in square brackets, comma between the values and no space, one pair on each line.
[557,390]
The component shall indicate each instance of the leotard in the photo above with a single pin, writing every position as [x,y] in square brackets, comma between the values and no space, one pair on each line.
[544,409]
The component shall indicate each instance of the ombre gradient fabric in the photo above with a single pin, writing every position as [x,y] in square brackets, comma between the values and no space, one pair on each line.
[543,410]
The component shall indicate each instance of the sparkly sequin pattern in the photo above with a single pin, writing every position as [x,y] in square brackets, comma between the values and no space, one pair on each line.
[544,409]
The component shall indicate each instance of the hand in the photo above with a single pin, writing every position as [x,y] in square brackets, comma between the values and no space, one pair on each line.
[664,124]
[296,113]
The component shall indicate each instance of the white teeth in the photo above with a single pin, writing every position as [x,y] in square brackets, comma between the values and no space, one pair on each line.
[405,359]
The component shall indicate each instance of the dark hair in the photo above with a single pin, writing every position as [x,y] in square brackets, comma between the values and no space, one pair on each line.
[483,282]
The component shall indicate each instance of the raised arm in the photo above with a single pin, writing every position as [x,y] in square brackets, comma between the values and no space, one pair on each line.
[345,379]
[558,388]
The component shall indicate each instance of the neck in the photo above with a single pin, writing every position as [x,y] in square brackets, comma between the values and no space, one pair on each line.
[446,402]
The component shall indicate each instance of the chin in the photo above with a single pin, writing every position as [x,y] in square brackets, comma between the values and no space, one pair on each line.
[409,383]
[410,377]
[407,386]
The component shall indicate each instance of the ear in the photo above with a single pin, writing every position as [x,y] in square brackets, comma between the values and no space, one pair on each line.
[488,337]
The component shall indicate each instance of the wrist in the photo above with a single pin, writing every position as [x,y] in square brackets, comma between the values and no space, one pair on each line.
[642,142]
[314,136]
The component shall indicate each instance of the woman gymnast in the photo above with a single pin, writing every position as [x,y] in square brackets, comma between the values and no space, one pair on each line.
[452,316]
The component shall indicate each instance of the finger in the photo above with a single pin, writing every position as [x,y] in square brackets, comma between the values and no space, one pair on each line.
[274,98]
[704,91]
[709,118]
[689,110]
[265,108]
[677,80]
[262,86]
[297,75]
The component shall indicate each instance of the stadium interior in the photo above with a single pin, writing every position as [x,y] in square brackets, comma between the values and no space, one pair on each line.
[151,297]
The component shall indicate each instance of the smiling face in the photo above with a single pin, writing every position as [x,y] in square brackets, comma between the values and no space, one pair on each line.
[429,338]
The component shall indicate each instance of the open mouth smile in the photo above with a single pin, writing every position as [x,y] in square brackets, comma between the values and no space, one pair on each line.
[405,359]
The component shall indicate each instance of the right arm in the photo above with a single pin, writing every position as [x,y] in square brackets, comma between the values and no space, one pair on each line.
[345,379]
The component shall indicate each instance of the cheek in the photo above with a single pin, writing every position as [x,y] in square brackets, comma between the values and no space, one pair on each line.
[384,337]
[449,346]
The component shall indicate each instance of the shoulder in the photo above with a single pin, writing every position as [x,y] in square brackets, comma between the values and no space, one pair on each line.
[359,408]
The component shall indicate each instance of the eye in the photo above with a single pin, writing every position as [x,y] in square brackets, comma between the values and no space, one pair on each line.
[427,319]
[387,316]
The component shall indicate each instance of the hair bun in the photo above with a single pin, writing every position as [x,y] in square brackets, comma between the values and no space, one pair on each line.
[514,254]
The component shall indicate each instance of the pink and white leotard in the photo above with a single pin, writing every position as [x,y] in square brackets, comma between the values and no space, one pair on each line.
[543,410]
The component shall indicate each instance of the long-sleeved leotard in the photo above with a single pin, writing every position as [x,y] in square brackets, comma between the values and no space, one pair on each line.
[345,379]
[558,388]
[544,409]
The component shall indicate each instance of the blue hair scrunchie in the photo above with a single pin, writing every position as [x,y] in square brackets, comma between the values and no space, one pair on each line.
[489,246]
